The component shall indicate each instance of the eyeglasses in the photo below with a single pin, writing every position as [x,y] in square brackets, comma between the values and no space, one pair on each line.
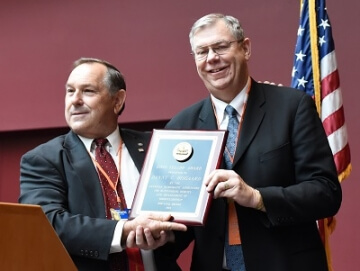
[219,48]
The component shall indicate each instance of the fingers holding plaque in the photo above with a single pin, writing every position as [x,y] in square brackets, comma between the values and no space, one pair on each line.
[175,166]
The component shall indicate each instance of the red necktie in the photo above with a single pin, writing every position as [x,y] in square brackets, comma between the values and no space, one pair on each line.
[131,258]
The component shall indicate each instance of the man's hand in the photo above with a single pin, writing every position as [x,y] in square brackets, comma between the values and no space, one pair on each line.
[150,231]
[270,83]
[144,239]
[228,184]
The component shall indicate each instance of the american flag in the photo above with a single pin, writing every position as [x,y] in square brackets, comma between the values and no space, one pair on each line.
[315,71]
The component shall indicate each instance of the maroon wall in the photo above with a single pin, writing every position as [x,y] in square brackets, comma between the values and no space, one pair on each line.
[148,41]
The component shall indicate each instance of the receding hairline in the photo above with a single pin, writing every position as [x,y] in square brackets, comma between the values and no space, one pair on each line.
[232,23]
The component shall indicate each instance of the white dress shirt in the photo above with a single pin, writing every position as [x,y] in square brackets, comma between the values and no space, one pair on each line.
[129,176]
[238,103]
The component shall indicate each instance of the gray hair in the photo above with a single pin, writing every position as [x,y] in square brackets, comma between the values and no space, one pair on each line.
[231,22]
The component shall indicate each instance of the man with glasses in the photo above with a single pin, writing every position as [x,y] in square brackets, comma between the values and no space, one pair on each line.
[278,175]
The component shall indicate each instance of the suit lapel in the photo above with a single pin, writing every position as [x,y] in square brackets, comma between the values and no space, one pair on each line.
[252,119]
[254,114]
[83,169]
[137,144]
[81,165]
[207,119]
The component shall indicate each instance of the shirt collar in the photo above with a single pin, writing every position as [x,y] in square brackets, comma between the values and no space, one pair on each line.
[237,103]
[114,141]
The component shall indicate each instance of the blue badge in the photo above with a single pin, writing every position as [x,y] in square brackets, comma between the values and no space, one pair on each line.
[117,214]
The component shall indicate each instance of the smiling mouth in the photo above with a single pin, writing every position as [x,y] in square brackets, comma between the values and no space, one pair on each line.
[216,70]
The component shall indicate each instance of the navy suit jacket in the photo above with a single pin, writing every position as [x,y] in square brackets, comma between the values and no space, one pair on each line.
[60,176]
[284,153]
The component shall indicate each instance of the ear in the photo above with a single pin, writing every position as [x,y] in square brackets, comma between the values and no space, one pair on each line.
[246,44]
[120,97]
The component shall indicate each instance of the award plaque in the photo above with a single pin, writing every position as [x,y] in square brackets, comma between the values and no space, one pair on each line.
[172,177]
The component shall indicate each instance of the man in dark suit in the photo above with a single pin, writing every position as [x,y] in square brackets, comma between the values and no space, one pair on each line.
[67,180]
[282,177]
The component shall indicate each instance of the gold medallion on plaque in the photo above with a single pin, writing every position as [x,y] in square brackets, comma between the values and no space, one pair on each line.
[182,152]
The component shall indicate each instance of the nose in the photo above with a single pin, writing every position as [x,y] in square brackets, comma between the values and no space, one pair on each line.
[76,98]
[212,54]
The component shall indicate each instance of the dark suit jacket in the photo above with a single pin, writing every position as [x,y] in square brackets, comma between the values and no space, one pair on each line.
[284,153]
[60,176]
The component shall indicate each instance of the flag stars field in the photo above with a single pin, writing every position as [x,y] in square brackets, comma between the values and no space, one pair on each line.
[300,56]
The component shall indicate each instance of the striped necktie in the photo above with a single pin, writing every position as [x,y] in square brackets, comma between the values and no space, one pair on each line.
[233,250]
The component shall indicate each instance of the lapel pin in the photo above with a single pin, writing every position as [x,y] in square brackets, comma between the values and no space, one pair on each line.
[140,147]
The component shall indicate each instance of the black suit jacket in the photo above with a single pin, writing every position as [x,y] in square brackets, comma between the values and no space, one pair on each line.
[284,153]
[60,176]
